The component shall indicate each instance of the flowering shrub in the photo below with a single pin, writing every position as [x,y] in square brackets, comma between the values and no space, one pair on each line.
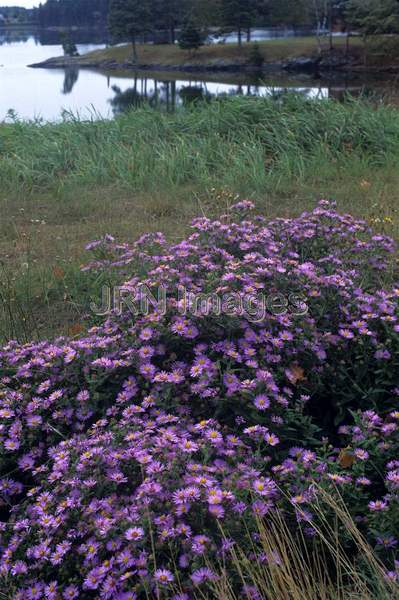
[137,456]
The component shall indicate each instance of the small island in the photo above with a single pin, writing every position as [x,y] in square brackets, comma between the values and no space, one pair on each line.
[302,54]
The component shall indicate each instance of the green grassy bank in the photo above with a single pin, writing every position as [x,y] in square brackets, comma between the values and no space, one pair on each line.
[379,52]
[273,51]
[68,183]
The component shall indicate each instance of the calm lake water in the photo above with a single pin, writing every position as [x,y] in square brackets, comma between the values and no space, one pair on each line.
[46,93]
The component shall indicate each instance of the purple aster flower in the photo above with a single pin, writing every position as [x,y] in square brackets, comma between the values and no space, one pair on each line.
[262,402]
[378,505]
[34,592]
[163,576]
[134,534]
[202,575]
[70,592]
[387,541]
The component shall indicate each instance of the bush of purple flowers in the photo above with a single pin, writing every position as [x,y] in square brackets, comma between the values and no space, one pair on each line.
[137,456]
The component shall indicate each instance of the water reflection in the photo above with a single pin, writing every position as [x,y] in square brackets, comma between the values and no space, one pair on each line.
[152,92]
[125,100]
[192,94]
[71,77]
[169,94]
[10,36]
[51,37]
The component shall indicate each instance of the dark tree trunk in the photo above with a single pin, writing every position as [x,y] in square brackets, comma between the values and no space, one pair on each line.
[318,30]
[239,36]
[248,35]
[134,47]
[172,34]
[173,90]
[156,92]
[167,96]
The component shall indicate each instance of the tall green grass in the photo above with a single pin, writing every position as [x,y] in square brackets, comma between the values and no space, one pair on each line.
[247,141]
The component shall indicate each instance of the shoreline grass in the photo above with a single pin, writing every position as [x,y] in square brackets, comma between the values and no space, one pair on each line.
[274,52]
[167,54]
[68,183]
[380,52]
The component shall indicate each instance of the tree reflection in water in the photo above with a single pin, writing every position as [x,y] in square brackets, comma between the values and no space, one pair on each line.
[191,94]
[11,36]
[169,94]
[70,78]
[161,93]
[156,93]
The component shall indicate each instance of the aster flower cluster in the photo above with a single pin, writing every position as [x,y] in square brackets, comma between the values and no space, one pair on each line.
[134,457]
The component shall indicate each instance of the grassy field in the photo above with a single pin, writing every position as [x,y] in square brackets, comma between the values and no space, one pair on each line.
[273,51]
[379,51]
[66,184]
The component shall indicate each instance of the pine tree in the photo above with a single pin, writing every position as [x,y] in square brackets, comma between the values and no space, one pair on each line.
[68,45]
[373,17]
[128,19]
[239,15]
[171,14]
[66,13]
[190,37]
[205,13]
[256,58]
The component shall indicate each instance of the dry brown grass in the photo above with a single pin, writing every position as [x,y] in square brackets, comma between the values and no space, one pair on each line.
[294,570]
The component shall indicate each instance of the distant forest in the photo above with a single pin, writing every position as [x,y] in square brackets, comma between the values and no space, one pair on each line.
[165,14]
[16,14]
[66,13]
[58,13]
[130,18]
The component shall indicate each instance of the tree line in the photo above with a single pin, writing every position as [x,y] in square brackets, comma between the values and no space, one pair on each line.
[69,13]
[130,19]
[15,14]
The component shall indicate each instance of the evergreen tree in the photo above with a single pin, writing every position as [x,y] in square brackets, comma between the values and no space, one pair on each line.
[256,58]
[67,13]
[205,13]
[239,15]
[293,13]
[190,37]
[171,14]
[373,17]
[128,19]
[68,45]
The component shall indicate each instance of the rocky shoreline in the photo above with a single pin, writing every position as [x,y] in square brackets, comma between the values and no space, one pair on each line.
[322,64]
